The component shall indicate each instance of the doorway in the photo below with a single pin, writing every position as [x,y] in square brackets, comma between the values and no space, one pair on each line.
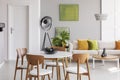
[18,29]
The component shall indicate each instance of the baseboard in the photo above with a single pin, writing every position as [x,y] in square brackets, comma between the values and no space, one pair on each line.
[1,64]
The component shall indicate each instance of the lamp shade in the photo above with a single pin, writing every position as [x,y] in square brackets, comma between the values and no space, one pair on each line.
[46,23]
[101,17]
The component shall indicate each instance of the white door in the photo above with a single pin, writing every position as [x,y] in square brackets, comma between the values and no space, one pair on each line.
[18,29]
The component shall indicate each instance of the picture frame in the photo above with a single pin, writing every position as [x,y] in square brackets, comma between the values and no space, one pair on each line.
[68,12]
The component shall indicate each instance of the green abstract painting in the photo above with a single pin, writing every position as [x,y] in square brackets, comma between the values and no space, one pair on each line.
[68,12]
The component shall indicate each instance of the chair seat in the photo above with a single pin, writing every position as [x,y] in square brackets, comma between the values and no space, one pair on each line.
[22,66]
[74,70]
[53,63]
[42,72]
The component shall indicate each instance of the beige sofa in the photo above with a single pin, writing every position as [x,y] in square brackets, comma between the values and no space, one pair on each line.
[109,45]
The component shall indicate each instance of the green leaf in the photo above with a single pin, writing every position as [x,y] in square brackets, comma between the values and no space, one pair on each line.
[62,39]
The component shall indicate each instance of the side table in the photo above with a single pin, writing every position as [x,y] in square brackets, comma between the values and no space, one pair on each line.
[108,57]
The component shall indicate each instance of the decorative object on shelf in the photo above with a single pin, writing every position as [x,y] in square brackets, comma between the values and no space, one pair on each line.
[104,54]
[50,50]
[2,25]
[68,12]
[46,24]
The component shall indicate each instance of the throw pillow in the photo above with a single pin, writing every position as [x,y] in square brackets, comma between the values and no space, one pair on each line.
[93,45]
[82,45]
[117,45]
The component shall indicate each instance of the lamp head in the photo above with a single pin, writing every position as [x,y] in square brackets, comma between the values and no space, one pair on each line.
[46,23]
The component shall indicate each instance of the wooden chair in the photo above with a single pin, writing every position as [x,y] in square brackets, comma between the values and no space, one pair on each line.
[53,62]
[36,60]
[80,59]
[21,53]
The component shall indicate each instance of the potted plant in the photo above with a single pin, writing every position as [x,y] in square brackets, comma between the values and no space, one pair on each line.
[61,40]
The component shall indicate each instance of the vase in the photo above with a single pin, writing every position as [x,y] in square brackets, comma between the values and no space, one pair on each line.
[104,53]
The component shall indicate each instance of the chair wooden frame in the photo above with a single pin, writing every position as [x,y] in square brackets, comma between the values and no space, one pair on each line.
[21,53]
[57,63]
[80,59]
[35,60]
[58,67]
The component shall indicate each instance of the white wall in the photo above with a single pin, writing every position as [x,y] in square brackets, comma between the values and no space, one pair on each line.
[34,29]
[108,26]
[86,28]
[117,19]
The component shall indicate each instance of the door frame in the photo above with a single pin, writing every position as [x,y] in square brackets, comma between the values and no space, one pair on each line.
[8,28]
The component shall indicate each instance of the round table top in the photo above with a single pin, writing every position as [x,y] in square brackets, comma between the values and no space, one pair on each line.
[108,57]
[58,54]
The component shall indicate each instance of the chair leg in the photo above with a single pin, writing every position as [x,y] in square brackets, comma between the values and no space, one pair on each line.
[21,73]
[80,77]
[30,78]
[15,74]
[38,77]
[89,76]
[66,77]
[45,68]
[43,77]
[59,73]
[52,71]
[64,70]
[34,78]
[48,77]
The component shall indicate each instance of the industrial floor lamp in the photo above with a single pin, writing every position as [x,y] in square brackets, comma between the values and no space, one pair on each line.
[46,24]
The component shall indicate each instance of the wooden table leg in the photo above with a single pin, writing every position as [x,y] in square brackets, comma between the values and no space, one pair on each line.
[66,64]
[57,70]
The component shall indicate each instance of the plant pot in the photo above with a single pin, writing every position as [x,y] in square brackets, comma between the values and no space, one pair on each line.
[59,48]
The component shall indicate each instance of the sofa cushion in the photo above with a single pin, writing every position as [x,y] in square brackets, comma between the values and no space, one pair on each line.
[107,45]
[82,45]
[93,45]
[75,44]
[117,45]
[110,51]
[85,51]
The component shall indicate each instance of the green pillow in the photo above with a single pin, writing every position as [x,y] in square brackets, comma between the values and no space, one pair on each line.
[93,45]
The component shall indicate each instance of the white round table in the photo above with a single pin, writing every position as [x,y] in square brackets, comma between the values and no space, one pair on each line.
[57,55]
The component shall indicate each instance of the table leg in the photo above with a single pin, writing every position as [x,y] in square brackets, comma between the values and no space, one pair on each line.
[118,63]
[93,63]
[57,70]
[103,62]
[66,62]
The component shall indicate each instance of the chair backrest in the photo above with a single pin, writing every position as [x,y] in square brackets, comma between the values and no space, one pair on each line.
[81,58]
[58,30]
[21,52]
[35,59]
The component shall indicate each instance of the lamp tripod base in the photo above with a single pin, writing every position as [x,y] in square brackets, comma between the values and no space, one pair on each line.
[46,34]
